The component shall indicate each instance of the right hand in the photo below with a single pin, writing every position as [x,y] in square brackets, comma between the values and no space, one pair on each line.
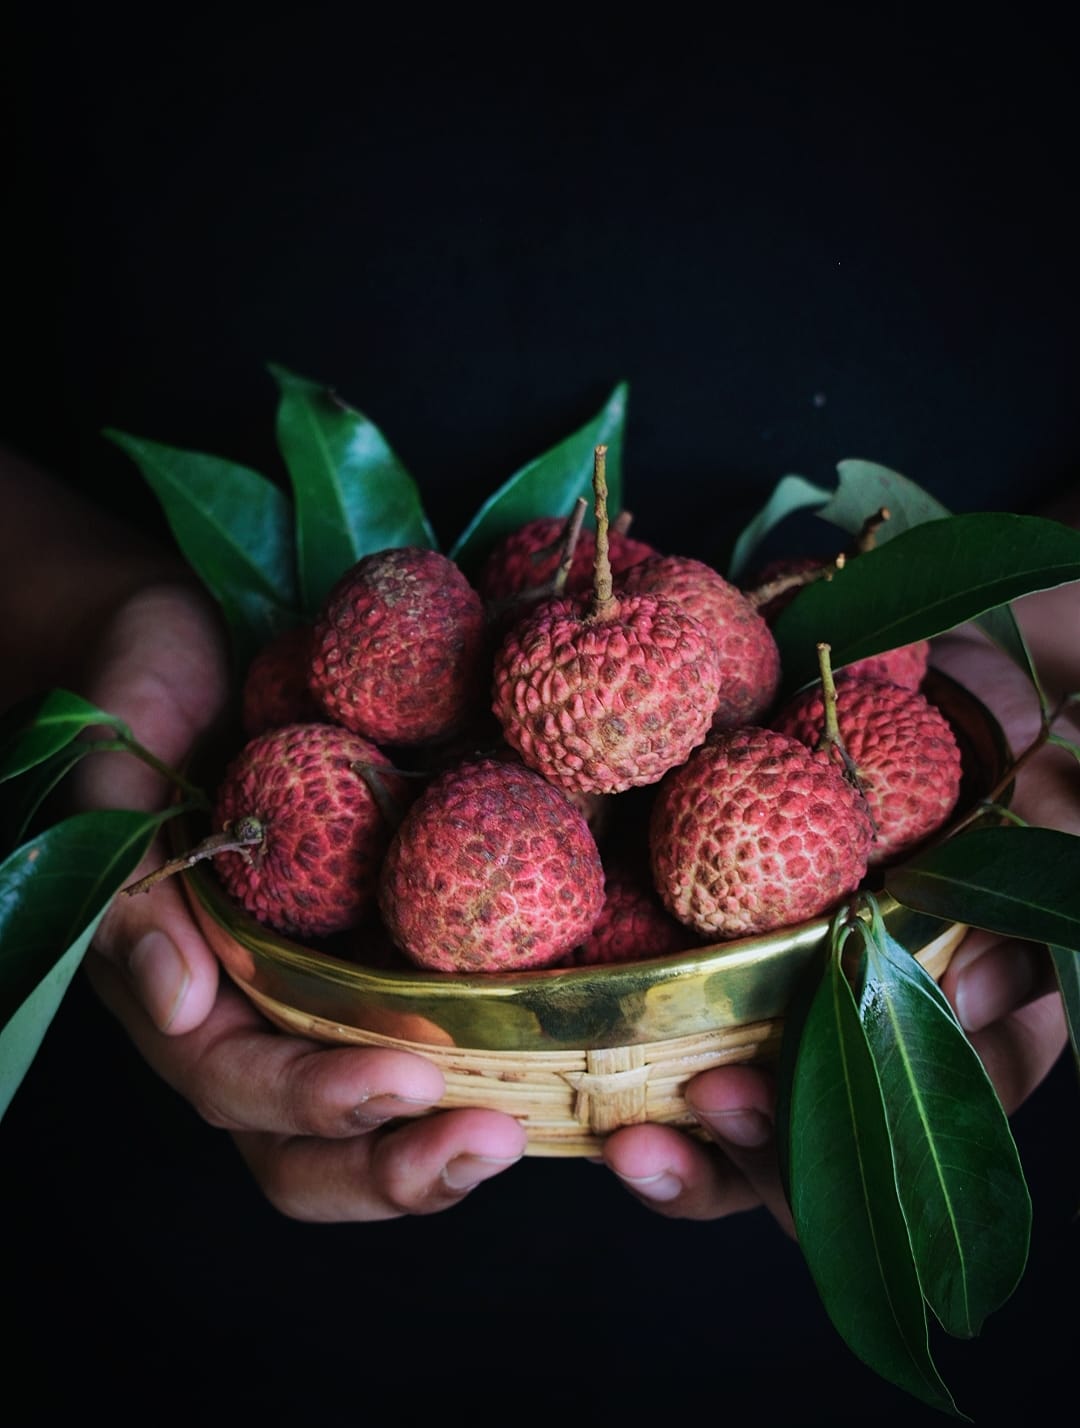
[310,1121]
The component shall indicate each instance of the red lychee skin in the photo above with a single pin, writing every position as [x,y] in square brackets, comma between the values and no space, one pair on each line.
[491,870]
[634,925]
[324,834]
[399,648]
[530,556]
[904,751]
[606,705]
[275,689]
[755,832]
[748,655]
[905,665]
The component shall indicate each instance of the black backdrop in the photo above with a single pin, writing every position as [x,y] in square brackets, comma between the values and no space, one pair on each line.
[797,242]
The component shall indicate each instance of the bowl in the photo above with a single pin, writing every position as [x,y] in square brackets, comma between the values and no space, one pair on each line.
[574,1053]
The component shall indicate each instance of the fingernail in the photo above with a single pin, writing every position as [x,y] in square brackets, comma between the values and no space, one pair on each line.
[160,977]
[748,1129]
[465,1171]
[663,1186]
[992,986]
[376,1110]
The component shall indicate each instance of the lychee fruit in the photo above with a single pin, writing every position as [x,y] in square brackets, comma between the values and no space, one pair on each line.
[275,690]
[903,749]
[756,832]
[608,693]
[491,870]
[634,923]
[528,558]
[321,830]
[747,653]
[399,648]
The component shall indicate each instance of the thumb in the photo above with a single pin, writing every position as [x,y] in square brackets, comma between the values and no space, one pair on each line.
[160,666]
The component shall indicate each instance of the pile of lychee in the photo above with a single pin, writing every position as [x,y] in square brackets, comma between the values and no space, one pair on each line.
[577,759]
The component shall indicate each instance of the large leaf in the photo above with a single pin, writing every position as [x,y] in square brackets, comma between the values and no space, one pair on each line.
[958,1173]
[926,580]
[53,891]
[790,495]
[1067,968]
[844,1201]
[1017,881]
[234,528]
[353,496]
[864,487]
[551,484]
[44,725]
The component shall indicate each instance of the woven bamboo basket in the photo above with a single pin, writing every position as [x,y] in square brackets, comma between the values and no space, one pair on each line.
[574,1053]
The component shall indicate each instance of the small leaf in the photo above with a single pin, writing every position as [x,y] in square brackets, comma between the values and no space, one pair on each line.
[43,725]
[550,484]
[234,528]
[29,793]
[864,487]
[957,1169]
[848,1217]
[1020,882]
[789,495]
[353,496]
[53,891]
[925,580]
[1067,969]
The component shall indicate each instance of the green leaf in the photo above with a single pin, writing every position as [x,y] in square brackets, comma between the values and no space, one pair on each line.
[43,725]
[844,1201]
[353,496]
[1067,967]
[29,793]
[550,484]
[789,495]
[864,487]
[923,581]
[53,891]
[958,1173]
[234,528]
[1017,881]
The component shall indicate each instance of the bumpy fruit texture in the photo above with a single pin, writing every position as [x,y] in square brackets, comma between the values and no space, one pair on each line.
[748,657]
[603,705]
[755,832]
[904,751]
[529,557]
[325,836]
[275,689]
[634,924]
[399,648]
[491,870]
[905,665]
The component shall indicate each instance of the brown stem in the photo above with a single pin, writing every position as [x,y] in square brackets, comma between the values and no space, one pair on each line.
[793,580]
[867,537]
[622,522]
[604,604]
[240,837]
[569,545]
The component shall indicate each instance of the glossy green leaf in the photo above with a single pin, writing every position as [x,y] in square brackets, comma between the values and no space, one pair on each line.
[1018,881]
[864,487]
[844,1201]
[26,796]
[353,496]
[1067,969]
[43,725]
[53,891]
[551,484]
[790,495]
[958,1173]
[234,528]
[924,581]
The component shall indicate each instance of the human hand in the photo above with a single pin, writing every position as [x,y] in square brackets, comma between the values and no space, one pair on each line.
[1003,991]
[308,1120]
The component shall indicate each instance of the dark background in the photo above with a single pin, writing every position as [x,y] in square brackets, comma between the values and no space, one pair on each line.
[798,241]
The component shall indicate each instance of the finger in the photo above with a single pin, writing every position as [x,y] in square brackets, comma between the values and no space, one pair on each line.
[153,942]
[418,1169]
[241,1074]
[1019,1050]
[676,1175]
[990,976]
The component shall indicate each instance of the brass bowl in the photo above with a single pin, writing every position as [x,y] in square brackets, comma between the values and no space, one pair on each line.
[575,1052]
